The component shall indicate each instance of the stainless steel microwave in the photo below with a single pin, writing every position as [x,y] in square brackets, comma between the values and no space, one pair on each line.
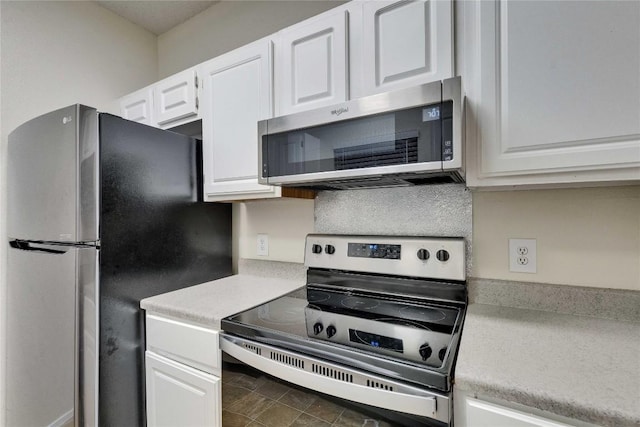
[406,137]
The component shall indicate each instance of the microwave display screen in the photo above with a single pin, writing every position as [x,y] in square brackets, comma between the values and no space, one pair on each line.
[414,135]
[431,113]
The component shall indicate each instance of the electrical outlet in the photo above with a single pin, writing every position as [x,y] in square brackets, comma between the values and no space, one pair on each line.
[522,255]
[263,245]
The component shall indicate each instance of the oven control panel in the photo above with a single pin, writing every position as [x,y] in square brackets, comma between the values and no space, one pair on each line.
[427,257]
[373,250]
[404,341]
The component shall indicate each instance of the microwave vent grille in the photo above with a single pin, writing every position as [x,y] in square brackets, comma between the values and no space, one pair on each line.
[398,152]
[372,182]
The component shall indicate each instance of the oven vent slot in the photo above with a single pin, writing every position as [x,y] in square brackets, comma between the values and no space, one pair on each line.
[257,350]
[336,374]
[287,360]
[375,384]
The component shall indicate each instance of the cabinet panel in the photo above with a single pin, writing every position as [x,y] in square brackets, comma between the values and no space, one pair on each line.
[176,97]
[404,44]
[138,106]
[236,95]
[180,396]
[311,63]
[189,344]
[483,414]
[557,90]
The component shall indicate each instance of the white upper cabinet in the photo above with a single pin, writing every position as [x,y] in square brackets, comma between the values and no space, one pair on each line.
[401,44]
[311,63]
[138,106]
[553,91]
[237,93]
[176,99]
[165,104]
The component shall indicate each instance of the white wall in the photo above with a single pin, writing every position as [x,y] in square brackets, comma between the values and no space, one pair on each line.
[228,25]
[584,237]
[54,54]
[285,221]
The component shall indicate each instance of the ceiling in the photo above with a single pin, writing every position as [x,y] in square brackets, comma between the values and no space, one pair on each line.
[156,16]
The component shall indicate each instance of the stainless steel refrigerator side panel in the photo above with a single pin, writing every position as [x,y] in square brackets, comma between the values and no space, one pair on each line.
[88,175]
[45,179]
[87,338]
[384,102]
[41,307]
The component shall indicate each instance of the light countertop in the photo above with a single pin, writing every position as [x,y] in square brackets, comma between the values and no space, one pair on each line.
[579,367]
[210,302]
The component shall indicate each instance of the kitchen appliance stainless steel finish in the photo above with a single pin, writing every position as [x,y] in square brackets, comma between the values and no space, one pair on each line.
[378,323]
[406,137]
[102,212]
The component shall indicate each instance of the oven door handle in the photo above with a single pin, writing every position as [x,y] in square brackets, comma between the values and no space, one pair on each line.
[335,380]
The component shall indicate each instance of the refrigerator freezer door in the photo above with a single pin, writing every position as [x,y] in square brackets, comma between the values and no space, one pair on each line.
[52,177]
[52,341]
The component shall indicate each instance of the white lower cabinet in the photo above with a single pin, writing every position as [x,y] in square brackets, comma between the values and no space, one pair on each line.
[182,371]
[178,395]
[474,412]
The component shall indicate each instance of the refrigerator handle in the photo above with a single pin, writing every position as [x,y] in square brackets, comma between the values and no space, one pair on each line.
[38,247]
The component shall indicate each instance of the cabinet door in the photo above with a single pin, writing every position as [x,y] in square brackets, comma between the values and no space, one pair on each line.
[311,63]
[138,106]
[404,43]
[176,98]
[554,90]
[236,95]
[180,396]
[483,414]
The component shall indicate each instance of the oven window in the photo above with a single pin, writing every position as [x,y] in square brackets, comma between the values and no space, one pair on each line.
[251,396]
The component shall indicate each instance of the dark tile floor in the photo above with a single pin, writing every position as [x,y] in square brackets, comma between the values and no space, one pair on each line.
[251,398]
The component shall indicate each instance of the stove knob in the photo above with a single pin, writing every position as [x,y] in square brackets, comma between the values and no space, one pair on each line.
[442,353]
[331,331]
[330,249]
[316,249]
[425,351]
[317,328]
[442,255]
[423,254]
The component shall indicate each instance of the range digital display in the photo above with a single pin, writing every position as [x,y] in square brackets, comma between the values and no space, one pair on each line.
[373,250]
[375,340]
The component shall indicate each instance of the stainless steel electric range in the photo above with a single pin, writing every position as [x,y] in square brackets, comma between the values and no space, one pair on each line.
[377,325]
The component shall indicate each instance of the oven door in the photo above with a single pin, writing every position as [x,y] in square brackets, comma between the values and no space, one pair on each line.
[395,401]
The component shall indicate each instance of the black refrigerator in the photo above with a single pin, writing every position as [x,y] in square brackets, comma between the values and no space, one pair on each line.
[101,213]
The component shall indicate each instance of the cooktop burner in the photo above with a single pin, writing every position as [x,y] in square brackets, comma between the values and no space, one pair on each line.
[280,315]
[357,303]
[318,296]
[428,314]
